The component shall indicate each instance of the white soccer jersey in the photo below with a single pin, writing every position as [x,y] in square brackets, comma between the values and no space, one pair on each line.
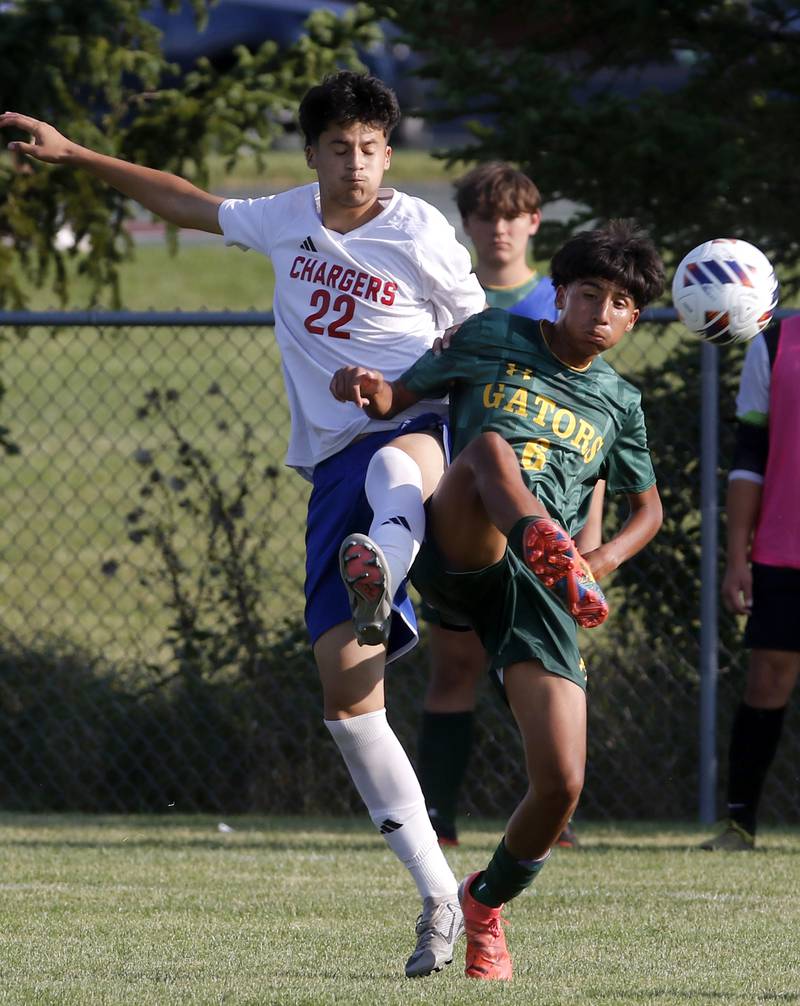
[376,296]
[752,401]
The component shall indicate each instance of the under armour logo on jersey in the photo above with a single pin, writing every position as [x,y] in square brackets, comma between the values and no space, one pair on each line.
[389,826]
[308,244]
[398,520]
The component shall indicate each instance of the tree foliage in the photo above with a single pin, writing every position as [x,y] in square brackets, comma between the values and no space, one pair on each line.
[683,115]
[96,71]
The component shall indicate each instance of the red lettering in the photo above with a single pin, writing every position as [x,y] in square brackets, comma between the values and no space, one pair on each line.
[321,300]
[334,273]
[360,284]
[373,288]
[347,306]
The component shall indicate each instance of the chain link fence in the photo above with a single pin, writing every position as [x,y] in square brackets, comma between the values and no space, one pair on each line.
[152,650]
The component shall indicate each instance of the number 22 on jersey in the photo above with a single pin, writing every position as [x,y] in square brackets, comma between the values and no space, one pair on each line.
[330,316]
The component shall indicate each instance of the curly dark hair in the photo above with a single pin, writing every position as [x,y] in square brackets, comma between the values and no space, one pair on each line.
[619,251]
[496,189]
[346,97]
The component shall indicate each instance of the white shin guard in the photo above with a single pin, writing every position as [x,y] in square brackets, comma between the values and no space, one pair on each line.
[383,776]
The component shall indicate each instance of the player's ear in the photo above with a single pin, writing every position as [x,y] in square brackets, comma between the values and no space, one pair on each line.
[561,297]
[633,319]
[388,158]
[309,152]
[536,220]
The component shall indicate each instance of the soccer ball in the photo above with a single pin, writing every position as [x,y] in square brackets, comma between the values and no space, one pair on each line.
[725,291]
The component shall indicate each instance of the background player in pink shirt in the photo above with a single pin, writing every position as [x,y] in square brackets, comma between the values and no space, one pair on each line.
[762,576]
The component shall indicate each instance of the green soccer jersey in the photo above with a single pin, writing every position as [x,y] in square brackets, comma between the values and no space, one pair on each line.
[568,427]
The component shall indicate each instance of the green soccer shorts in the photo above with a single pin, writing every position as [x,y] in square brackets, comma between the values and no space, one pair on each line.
[515,616]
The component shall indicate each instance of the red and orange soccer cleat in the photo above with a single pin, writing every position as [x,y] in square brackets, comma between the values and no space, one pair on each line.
[551,555]
[487,954]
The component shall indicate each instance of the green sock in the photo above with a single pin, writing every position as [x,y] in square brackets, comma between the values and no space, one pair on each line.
[505,877]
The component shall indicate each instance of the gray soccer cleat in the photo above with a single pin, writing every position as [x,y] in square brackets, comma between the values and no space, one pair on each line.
[366,576]
[438,927]
[733,838]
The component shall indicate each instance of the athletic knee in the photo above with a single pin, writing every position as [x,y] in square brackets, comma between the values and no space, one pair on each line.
[488,447]
[771,679]
[448,690]
[560,789]
[456,669]
[422,450]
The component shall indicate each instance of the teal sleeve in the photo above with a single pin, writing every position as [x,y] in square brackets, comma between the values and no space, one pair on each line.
[628,467]
[431,376]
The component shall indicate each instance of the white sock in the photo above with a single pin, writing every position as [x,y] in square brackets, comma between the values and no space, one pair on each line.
[393,486]
[384,778]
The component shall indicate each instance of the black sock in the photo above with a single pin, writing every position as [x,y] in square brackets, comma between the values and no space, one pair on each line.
[754,741]
[445,741]
[504,878]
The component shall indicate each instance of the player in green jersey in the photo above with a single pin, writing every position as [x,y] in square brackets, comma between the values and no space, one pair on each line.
[500,209]
[537,417]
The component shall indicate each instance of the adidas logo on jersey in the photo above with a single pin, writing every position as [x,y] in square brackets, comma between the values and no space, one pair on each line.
[308,245]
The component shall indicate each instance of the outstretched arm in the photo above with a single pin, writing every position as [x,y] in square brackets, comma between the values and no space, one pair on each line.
[168,196]
[379,398]
[641,526]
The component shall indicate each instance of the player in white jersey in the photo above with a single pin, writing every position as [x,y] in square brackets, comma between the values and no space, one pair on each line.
[360,272]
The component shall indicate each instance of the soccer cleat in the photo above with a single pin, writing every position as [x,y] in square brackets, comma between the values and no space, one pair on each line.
[438,927]
[568,839]
[487,954]
[448,841]
[733,838]
[551,555]
[366,576]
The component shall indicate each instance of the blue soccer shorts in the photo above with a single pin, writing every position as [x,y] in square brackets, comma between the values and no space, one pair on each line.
[338,506]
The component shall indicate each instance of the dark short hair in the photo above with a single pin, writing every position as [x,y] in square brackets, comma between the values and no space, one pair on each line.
[619,251]
[346,97]
[496,189]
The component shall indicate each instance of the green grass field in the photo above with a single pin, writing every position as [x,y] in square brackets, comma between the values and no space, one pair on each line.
[159,911]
